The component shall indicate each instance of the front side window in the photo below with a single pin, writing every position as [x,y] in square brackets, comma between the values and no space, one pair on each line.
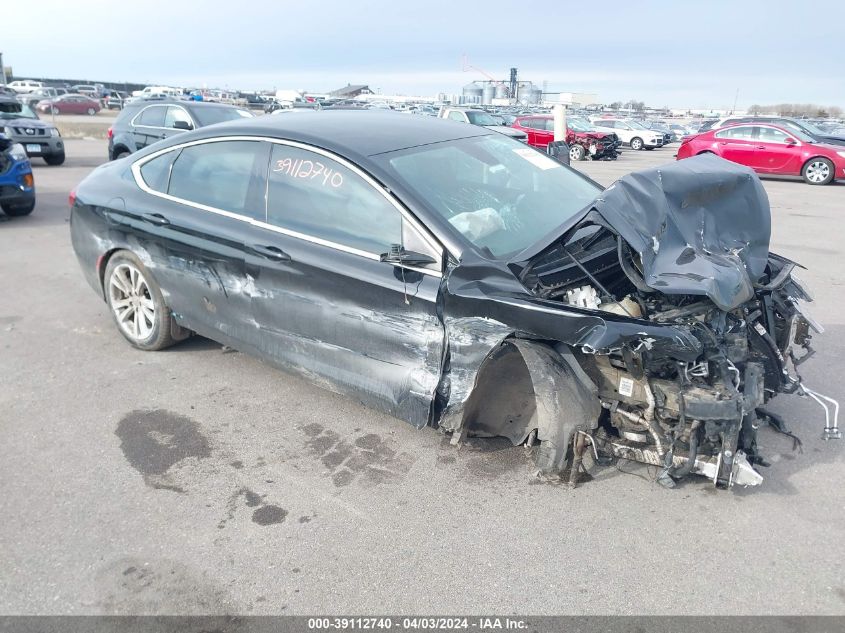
[225,175]
[772,135]
[457,116]
[174,114]
[152,116]
[318,197]
[500,195]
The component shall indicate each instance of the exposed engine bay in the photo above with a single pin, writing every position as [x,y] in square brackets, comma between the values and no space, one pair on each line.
[744,306]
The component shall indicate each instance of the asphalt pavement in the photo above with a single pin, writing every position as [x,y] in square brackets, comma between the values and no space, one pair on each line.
[200,480]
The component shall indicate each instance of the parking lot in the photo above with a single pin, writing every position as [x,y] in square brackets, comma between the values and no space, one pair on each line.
[232,501]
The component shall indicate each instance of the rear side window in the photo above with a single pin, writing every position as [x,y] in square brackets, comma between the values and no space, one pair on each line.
[549,125]
[152,116]
[743,132]
[317,196]
[226,175]
[156,173]
[457,116]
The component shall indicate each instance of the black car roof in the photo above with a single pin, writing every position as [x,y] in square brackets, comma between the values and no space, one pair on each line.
[349,132]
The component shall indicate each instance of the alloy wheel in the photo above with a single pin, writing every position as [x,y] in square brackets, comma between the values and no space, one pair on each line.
[131,301]
[818,171]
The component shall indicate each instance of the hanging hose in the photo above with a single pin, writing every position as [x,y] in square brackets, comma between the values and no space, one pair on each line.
[685,469]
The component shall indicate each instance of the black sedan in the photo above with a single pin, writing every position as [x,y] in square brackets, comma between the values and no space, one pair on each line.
[456,278]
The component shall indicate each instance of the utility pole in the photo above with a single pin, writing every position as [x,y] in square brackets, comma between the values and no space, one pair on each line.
[3,69]
[736,96]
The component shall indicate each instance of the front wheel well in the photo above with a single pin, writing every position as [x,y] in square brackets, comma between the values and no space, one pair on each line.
[526,385]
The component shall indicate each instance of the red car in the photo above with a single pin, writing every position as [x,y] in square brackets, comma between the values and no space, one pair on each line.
[582,140]
[69,104]
[770,149]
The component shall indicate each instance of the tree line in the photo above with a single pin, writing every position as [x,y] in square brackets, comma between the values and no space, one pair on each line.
[797,109]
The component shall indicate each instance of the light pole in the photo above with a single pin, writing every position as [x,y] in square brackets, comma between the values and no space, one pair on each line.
[3,69]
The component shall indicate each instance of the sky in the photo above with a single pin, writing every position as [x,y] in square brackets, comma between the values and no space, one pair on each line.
[678,54]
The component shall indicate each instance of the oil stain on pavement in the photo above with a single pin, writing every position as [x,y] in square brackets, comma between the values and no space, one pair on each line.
[154,441]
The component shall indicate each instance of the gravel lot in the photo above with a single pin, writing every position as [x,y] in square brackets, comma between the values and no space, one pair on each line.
[243,511]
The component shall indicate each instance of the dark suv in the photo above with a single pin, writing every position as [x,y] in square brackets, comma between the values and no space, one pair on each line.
[38,138]
[144,122]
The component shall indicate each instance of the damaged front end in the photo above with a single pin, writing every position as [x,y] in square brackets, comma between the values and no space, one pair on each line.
[685,246]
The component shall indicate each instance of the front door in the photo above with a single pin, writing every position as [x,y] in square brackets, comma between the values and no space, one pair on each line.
[148,125]
[326,304]
[774,153]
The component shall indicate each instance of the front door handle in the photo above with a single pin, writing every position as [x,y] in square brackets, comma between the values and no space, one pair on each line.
[156,218]
[272,252]
[761,147]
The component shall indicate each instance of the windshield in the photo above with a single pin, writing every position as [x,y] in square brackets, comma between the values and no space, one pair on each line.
[797,131]
[636,125]
[212,115]
[499,194]
[577,126]
[481,118]
[811,128]
[16,111]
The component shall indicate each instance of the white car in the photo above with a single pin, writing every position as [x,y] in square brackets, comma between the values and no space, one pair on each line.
[23,86]
[630,132]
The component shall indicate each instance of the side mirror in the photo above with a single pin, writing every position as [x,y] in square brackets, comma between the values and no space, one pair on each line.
[398,256]
[182,125]
[791,141]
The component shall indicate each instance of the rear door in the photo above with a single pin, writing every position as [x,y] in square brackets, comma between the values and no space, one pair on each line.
[196,212]
[327,306]
[736,144]
[773,154]
[148,125]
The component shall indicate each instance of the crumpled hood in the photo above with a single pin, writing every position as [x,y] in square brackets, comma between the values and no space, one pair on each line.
[701,227]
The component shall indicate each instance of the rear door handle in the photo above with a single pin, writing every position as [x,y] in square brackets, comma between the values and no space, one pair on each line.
[155,218]
[272,252]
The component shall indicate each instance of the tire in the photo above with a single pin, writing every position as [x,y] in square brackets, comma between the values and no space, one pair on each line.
[91,112]
[636,143]
[576,153]
[54,110]
[55,159]
[818,171]
[136,303]
[121,154]
[17,210]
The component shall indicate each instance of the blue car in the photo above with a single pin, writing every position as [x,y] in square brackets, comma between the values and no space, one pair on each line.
[17,186]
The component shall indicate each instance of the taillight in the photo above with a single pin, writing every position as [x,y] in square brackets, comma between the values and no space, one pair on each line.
[71,198]
[110,134]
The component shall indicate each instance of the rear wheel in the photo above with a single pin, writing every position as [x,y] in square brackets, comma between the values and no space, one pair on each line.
[136,303]
[818,171]
[576,153]
[19,209]
[636,143]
